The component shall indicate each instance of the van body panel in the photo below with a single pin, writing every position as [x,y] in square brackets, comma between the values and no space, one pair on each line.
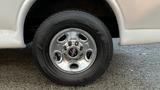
[138,21]
[140,14]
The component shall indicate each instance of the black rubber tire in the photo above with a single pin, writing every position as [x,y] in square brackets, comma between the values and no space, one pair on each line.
[72,19]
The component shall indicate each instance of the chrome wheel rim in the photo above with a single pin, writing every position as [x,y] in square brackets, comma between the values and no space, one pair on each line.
[73,50]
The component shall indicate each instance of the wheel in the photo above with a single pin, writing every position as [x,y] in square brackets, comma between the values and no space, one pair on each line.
[72,48]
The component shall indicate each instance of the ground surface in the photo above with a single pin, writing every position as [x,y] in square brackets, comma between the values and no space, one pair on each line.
[132,68]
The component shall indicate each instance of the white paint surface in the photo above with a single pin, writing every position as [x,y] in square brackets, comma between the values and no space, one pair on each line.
[138,20]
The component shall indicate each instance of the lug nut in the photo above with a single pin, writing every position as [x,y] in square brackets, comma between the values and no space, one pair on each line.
[65,48]
[76,43]
[81,48]
[69,43]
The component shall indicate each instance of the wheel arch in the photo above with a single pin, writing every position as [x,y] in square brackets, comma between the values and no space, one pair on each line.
[27,5]
[21,17]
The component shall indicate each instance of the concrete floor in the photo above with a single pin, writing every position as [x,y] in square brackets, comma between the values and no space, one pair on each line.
[132,68]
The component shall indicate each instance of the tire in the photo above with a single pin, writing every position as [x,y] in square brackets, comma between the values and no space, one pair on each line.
[72,19]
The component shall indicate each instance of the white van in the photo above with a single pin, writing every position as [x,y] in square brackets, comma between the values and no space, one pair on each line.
[72,39]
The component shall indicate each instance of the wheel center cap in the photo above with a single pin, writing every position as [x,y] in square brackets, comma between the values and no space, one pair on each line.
[73,52]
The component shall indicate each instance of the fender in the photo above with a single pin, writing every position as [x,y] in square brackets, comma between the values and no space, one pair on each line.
[28,4]
[11,34]
[119,16]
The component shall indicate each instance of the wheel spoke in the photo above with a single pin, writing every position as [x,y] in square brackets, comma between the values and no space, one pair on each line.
[56,47]
[83,63]
[72,35]
[64,64]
